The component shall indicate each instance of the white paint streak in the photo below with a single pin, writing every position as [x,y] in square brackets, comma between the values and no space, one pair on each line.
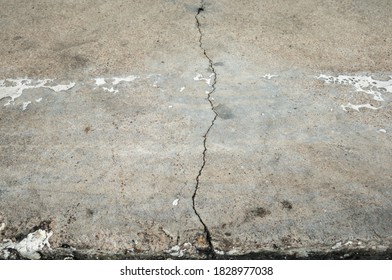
[269,76]
[126,79]
[382,130]
[357,107]
[14,88]
[182,89]
[114,81]
[29,246]
[61,87]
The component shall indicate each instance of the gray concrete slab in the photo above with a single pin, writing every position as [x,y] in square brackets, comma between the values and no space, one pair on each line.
[194,129]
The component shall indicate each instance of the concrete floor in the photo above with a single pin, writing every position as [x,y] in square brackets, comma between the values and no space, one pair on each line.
[195,129]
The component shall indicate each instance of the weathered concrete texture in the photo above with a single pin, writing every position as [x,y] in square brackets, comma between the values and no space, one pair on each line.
[302,172]
[195,128]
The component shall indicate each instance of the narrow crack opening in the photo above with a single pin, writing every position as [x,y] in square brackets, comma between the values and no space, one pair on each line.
[210,252]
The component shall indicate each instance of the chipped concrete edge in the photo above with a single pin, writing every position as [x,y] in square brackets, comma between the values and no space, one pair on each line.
[36,246]
[27,248]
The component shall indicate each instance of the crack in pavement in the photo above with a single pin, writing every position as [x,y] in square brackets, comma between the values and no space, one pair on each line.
[210,252]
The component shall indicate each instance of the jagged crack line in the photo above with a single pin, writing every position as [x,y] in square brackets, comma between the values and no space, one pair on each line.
[210,252]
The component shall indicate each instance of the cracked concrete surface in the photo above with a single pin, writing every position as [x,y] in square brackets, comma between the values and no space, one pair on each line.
[210,250]
[191,129]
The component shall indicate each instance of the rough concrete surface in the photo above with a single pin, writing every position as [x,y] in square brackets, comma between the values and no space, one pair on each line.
[212,129]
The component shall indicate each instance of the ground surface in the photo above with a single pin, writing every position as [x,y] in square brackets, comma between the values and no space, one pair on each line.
[195,129]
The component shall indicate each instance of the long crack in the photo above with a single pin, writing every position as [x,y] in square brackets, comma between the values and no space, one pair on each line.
[210,252]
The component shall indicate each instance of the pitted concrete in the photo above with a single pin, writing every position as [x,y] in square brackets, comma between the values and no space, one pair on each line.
[194,129]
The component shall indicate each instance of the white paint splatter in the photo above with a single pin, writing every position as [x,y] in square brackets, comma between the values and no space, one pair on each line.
[382,130]
[357,107]
[175,202]
[269,76]
[114,81]
[29,246]
[199,77]
[182,89]
[364,84]
[25,104]
[100,81]
[112,90]
[14,88]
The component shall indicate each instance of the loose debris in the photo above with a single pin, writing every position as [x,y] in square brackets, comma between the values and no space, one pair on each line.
[29,247]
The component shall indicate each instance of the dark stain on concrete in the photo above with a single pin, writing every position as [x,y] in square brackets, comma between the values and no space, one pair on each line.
[224,112]
[287,204]
[258,212]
